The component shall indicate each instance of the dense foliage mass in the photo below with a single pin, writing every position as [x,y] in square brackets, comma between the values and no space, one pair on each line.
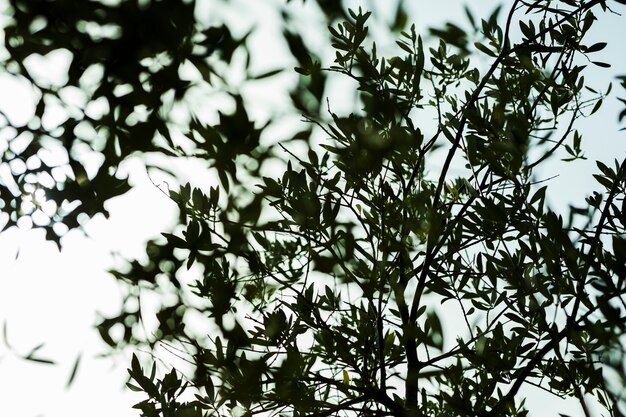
[395,266]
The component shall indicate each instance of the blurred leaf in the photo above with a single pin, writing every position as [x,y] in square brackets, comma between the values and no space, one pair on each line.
[74,371]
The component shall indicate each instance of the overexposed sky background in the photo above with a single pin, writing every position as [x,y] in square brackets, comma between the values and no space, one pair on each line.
[53,298]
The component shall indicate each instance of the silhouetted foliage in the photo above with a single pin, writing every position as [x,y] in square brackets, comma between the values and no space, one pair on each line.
[365,278]
[123,80]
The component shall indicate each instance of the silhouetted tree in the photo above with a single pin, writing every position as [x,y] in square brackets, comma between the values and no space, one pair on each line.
[323,288]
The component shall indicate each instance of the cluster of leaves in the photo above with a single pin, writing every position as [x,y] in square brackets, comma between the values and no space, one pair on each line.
[331,301]
[125,75]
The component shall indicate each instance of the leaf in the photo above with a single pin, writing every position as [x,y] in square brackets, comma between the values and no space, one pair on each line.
[596,107]
[133,387]
[346,377]
[30,356]
[209,388]
[419,65]
[5,334]
[267,74]
[40,360]
[404,46]
[436,331]
[484,49]
[527,30]
[493,18]
[606,182]
[74,371]
[175,241]
[35,349]
[596,47]
[272,188]
[469,16]
[389,342]
[134,365]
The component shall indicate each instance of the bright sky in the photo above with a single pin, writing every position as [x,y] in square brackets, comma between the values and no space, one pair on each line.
[52,298]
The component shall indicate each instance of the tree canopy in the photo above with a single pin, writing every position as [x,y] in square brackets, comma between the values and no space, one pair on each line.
[398,259]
